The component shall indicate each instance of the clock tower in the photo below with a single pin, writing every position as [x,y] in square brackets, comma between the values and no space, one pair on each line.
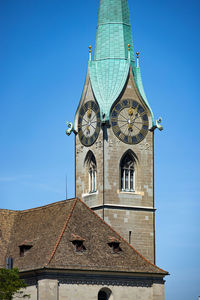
[114,128]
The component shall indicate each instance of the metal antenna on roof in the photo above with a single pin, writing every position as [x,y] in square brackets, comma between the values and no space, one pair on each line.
[66,188]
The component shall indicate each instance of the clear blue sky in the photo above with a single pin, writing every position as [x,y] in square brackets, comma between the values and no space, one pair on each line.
[43,60]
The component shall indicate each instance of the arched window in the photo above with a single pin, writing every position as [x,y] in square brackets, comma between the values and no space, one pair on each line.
[92,172]
[127,167]
[102,296]
[105,294]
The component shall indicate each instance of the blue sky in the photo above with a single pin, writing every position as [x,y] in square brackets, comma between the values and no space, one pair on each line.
[43,60]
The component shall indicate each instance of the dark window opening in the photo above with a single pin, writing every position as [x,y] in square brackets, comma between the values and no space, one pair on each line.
[78,241]
[102,296]
[114,243]
[79,247]
[23,249]
[115,247]
[130,233]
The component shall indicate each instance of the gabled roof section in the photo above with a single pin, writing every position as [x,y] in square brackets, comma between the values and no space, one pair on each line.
[50,230]
[98,256]
[112,62]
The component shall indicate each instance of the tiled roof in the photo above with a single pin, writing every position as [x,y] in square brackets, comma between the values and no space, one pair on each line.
[50,229]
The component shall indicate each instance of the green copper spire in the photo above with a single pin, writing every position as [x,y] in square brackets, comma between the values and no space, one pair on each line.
[112,59]
[113,30]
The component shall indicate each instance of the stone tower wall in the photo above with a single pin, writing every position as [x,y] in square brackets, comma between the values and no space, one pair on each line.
[129,213]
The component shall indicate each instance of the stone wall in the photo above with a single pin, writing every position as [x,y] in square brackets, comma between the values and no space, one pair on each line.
[52,290]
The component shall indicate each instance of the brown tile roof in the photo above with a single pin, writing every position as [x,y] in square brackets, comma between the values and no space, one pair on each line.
[51,228]
[7,218]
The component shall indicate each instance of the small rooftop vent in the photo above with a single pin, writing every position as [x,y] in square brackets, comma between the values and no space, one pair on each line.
[78,241]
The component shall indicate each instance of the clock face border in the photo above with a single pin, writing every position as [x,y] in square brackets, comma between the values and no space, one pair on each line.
[137,109]
[94,107]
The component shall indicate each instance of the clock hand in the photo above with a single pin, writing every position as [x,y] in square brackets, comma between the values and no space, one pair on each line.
[136,127]
[122,126]
[93,118]
[93,126]
[123,117]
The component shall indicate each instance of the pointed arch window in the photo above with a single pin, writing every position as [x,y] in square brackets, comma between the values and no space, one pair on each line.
[92,172]
[127,167]
[92,175]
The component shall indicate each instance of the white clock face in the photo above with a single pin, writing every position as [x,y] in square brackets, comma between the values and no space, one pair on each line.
[89,123]
[129,121]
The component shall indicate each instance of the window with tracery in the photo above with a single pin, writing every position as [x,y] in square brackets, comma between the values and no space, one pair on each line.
[92,172]
[127,167]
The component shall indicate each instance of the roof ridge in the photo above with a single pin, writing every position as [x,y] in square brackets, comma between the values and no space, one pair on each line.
[63,230]
[122,237]
[44,206]
[8,211]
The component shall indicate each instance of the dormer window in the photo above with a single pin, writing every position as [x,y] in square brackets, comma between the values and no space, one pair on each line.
[78,241]
[114,243]
[24,248]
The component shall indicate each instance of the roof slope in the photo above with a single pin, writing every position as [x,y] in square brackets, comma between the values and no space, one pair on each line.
[49,230]
[40,228]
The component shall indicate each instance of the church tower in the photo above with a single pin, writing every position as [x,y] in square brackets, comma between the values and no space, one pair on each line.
[114,134]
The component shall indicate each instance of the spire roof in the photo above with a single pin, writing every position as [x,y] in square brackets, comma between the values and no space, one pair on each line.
[110,68]
[113,30]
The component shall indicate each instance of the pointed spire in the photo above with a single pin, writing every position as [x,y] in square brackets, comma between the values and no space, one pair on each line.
[114,55]
[113,31]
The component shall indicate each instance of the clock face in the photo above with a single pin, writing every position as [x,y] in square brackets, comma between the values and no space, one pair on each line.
[89,123]
[129,121]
